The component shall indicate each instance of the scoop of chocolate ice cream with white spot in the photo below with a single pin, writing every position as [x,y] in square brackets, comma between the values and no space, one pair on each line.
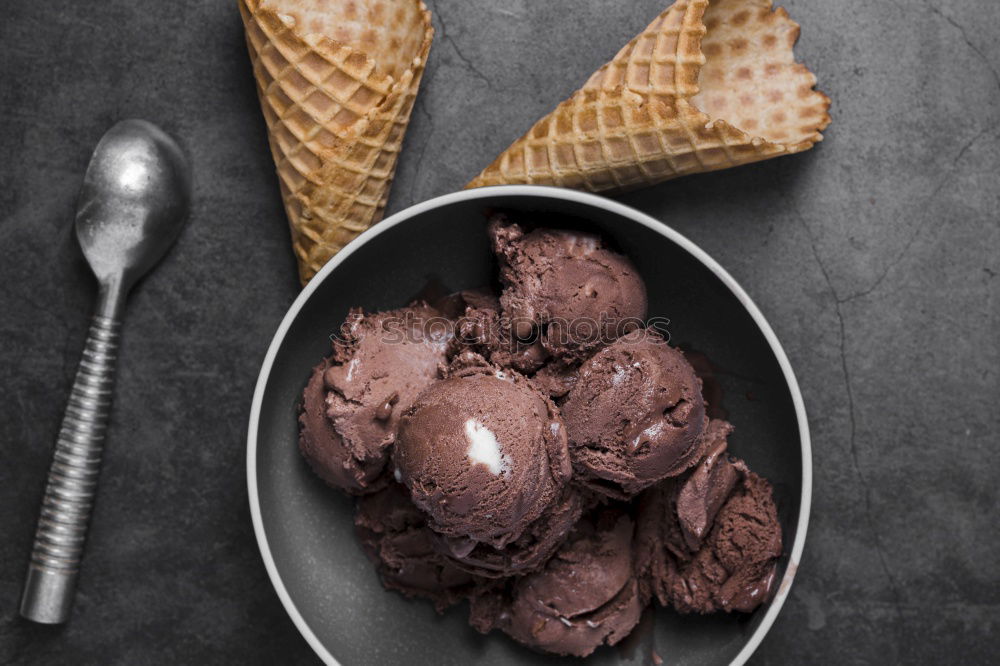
[483,453]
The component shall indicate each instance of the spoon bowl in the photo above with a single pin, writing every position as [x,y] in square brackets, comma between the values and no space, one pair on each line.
[133,203]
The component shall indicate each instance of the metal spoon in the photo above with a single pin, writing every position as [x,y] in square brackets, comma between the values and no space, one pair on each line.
[133,203]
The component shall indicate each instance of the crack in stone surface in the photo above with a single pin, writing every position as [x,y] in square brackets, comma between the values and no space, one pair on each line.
[853,447]
[458,52]
[968,42]
[952,170]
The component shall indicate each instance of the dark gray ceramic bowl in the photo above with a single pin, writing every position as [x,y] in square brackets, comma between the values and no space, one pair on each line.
[305,529]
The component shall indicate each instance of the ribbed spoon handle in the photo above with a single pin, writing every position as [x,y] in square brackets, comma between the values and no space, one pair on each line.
[72,482]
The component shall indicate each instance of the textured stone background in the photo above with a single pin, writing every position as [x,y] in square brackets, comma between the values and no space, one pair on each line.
[875,257]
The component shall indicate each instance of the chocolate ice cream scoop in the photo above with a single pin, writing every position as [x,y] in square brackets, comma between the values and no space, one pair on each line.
[701,494]
[566,288]
[486,331]
[483,452]
[585,596]
[635,415]
[733,569]
[556,379]
[528,552]
[395,536]
[323,448]
[379,365]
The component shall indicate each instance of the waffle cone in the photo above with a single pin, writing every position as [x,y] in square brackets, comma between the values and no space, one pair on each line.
[709,84]
[337,82]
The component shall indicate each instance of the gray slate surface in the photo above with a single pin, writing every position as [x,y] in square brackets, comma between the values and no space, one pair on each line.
[874,256]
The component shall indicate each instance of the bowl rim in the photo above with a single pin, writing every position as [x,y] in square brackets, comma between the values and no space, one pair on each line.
[541,192]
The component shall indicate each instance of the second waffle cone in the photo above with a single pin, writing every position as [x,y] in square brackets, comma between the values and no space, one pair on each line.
[707,85]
